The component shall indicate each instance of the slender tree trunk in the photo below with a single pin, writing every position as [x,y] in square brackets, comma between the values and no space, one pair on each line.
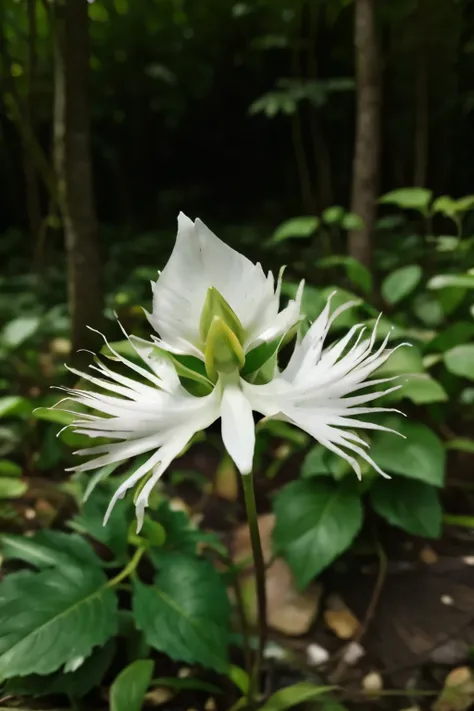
[367,142]
[321,154]
[421,101]
[31,177]
[74,169]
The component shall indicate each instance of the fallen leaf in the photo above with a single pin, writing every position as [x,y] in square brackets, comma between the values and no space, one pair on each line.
[340,619]
[458,691]
[428,556]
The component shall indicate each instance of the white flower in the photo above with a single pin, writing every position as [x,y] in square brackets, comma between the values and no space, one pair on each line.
[213,303]
[200,261]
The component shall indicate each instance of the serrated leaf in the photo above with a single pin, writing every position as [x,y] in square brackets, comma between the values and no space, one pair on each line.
[91,520]
[74,684]
[296,227]
[49,618]
[420,456]
[48,549]
[186,613]
[410,505]
[408,198]
[316,520]
[127,693]
[460,360]
[400,283]
[294,695]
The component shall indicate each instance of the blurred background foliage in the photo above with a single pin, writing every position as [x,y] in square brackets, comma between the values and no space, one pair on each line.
[334,136]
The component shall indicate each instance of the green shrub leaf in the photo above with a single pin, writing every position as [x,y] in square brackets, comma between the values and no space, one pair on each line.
[186,613]
[129,688]
[316,520]
[410,505]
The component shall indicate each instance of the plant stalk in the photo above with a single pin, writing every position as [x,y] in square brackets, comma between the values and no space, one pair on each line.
[259,566]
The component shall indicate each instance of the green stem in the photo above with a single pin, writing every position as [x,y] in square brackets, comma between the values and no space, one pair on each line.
[129,568]
[455,520]
[259,565]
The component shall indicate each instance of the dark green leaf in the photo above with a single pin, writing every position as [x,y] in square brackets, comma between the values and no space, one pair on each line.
[316,520]
[401,283]
[423,389]
[50,618]
[186,613]
[411,505]
[127,693]
[10,469]
[420,456]
[48,549]
[13,405]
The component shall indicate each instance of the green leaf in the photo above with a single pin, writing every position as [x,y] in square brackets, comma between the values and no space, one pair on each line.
[127,693]
[423,389]
[12,488]
[48,549]
[458,333]
[186,613]
[294,695]
[333,215]
[91,520]
[19,330]
[54,415]
[355,271]
[184,683]
[461,444]
[9,468]
[401,283]
[408,198]
[421,456]
[351,221]
[296,227]
[410,505]
[445,205]
[443,281]
[404,361]
[321,462]
[50,618]
[460,361]
[12,405]
[316,520]
[74,684]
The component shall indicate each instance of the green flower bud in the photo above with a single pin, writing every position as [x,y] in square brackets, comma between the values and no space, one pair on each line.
[216,305]
[223,352]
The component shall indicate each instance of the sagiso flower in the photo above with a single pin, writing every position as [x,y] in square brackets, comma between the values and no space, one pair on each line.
[220,329]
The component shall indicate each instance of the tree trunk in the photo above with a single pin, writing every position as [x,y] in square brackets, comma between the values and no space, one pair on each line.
[31,177]
[421,101]
[367,142]
[74,169]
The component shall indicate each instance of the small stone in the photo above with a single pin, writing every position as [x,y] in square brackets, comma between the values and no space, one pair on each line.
[469,559]
[352,653]
[428,556]
[275,651]
[30,514]
[316,655]
[447,600]
[451,653]
[342,623]
[158,696]
[210,704]
[458,676]
[372,682]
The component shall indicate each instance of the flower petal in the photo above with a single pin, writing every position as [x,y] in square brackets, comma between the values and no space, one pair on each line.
[238,427]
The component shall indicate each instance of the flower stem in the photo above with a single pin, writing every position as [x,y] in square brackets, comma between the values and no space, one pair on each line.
[129,568]
[259,565]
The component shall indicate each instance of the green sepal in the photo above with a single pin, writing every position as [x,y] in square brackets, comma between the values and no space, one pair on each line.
[223,352]
[216,306]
